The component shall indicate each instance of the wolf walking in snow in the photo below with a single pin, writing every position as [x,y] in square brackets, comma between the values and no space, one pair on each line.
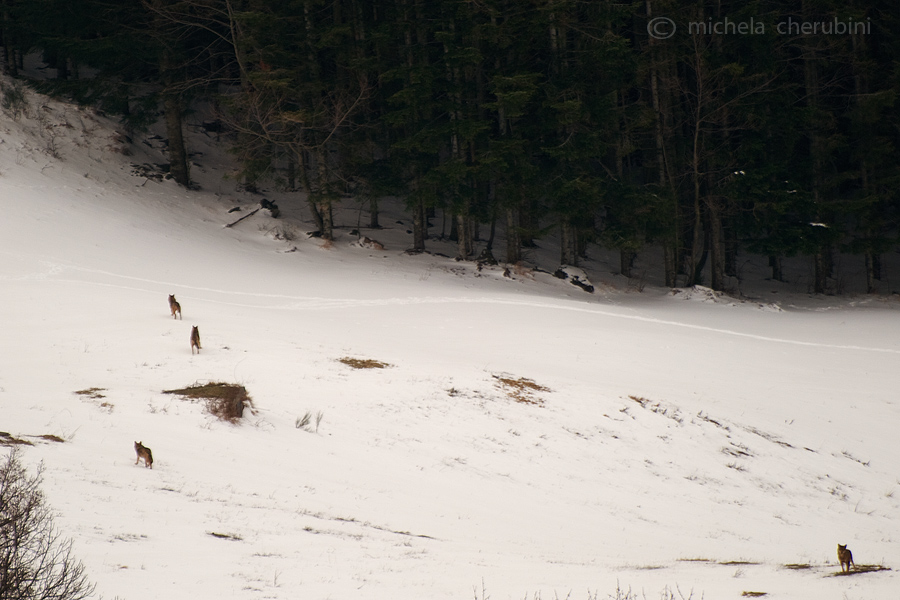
[143,452]
[174,306]
[195,339]
[846,558]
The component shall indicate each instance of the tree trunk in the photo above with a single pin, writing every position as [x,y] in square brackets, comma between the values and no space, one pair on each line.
[513,245]
[731,251]
[327,219]
[420,226]
[870,273]
[671,241]
[9,64]
[373,214]
[568,244]
[322,194]
[777,272]
[178,164]
[626,262]
[820,263]
[669,254]
[716,246]
[463,237]
[492,232]
[314,211]
[821,259]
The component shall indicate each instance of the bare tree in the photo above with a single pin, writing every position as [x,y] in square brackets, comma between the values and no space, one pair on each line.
[36,563]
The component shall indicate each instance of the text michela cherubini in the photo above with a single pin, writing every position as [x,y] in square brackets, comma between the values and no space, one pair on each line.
[786,27]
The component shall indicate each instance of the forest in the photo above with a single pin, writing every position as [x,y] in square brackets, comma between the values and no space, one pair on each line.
[703,127]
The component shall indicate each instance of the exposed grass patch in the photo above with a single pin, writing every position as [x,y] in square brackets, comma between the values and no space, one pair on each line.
[95,396]
[226,401]
[768,436]
[658,408]
[754,594]
[226,536]
[798,567]
[738,563]
[9,440]
[363,363]
[640,400]
[860,569]
[521,389]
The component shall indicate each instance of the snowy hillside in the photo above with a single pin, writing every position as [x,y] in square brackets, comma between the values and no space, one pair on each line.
[525,439]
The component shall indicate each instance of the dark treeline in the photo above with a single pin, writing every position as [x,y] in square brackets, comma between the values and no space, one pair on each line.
[764,126]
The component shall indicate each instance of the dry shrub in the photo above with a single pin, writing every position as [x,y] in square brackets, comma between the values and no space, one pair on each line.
[363,363]
[227,401]
[521,389]
[37,561]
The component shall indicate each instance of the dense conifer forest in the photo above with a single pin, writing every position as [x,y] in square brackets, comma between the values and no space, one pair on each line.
[706,128]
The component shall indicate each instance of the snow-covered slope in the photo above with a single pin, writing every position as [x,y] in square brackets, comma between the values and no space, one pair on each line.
[526,439]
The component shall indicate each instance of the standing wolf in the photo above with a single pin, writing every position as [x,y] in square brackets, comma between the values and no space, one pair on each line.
[195,339]
[846,558]
[174,306]
[143,452]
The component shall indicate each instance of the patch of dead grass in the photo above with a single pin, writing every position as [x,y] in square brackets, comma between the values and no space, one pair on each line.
[94,396]
[363,363]
[860,569]
[521,389]
[226,401]
[9,440]
[226,536]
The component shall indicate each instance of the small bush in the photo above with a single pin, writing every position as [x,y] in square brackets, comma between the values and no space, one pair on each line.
[35,561]
[227,401]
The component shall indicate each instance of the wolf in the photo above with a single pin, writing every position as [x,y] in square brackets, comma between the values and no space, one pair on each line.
[143,452]
[174,306]
[846,557]
[195,339]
